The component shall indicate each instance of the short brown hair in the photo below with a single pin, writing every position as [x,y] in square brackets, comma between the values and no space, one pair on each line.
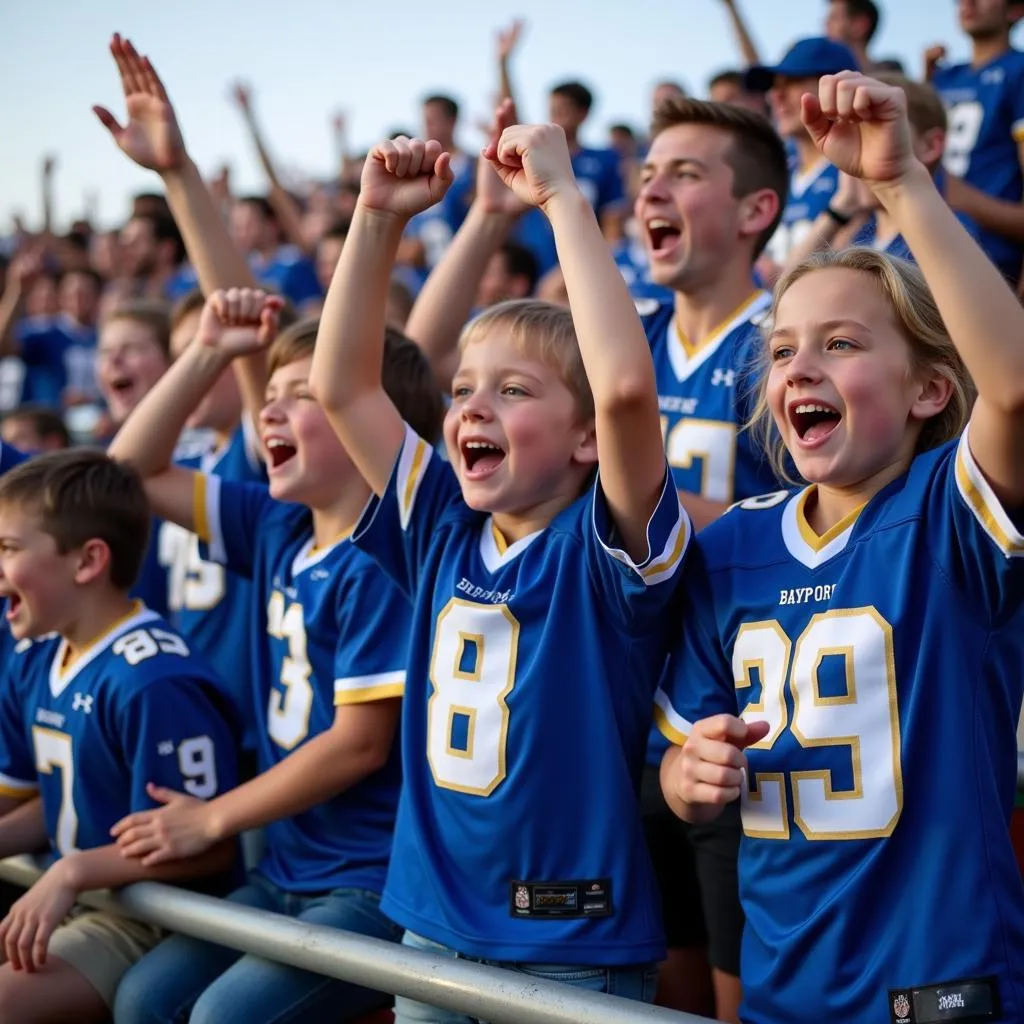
[82,494]
[925,109]
[406,375]
[757,156]
[185,306]
[543,329]
[150,313]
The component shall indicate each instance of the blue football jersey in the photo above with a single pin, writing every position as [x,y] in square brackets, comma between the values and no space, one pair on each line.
[136,707]
[10,457]
[332,630]
[532,670]
[886,658]
[213,607]
[706,396]
[810,192]
[986,125]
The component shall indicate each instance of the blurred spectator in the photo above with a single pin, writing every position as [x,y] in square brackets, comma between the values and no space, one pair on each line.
[985,143]
[728,87]
[813,180]
[512,273]
[854,24]
[34,429]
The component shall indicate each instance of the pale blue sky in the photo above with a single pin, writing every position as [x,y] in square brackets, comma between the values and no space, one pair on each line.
[374,58]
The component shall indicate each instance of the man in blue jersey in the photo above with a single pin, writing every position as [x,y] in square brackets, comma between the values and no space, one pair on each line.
[102,699]
[813,180]
[985,141]
[532,609]
[713,187]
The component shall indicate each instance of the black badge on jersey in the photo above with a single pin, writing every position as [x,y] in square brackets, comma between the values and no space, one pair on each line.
[967,1001]
[590,898]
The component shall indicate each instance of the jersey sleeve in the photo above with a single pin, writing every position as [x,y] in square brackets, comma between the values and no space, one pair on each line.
[976,541]
[634,592]
[396,529]
[697,681]
[18,777]
[10,457]
[228,515]
[174,735]
[373,636]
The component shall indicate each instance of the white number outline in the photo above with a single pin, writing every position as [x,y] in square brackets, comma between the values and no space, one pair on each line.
[196,757]
[193,584]
[765,806]
[441,713]
[713,442]
[54,750]
[288,712]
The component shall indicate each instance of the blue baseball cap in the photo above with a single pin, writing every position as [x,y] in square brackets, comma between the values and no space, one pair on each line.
[807,58]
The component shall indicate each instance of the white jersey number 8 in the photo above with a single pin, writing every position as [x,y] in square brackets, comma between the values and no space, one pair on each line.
[473,670]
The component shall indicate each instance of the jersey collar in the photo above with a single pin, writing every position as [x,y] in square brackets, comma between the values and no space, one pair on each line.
[803,543]
[495,551]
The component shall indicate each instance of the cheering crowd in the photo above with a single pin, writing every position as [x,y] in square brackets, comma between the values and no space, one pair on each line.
[605,564]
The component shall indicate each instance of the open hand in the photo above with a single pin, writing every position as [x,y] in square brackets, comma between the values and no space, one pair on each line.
[181,828]
[405,176]
[26,930]
[151,137]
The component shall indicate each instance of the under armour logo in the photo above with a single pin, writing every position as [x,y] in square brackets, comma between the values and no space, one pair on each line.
[82,702]
[165,747]
[726,377]
[993,76]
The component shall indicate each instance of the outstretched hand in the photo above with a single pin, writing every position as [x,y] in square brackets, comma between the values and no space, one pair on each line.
[180,828]
[533,161]
[239,321]
[860,125]
[405,176]
[151,137]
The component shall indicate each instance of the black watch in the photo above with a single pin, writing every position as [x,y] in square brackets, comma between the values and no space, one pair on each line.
[841,219]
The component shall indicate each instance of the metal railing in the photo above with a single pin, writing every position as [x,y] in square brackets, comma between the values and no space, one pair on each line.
[490,993]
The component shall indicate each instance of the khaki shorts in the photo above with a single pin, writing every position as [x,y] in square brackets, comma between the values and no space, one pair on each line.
[102,946]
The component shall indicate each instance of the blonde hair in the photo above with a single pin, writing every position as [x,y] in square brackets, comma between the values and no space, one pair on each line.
[539,329]
[920,323]
[151,314]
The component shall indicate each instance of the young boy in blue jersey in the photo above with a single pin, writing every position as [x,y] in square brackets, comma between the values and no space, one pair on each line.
[712,190]
[102,697]
[985,142]
[850,658]
[329,665]
[542,595]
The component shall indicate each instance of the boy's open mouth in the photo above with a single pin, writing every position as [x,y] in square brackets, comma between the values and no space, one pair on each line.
[279,451]
[481,457]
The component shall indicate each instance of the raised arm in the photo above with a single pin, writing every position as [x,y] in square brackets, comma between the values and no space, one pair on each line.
[744,40]
[289,214]
[22,272]
[446,300]
[533,160]
[861,126]
[508,40]
[153,140]
[400,178]
[233,323]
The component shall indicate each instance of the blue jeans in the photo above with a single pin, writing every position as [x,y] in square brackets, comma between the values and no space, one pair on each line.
[635,982]
[186,979]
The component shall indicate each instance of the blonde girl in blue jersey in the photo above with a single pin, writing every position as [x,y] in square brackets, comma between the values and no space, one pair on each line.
[850,660]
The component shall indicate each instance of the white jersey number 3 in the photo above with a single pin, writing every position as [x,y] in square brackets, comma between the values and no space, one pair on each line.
[473,670]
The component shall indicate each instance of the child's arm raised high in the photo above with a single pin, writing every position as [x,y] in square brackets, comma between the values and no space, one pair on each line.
[400,178]
[861,126]
[533,160]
